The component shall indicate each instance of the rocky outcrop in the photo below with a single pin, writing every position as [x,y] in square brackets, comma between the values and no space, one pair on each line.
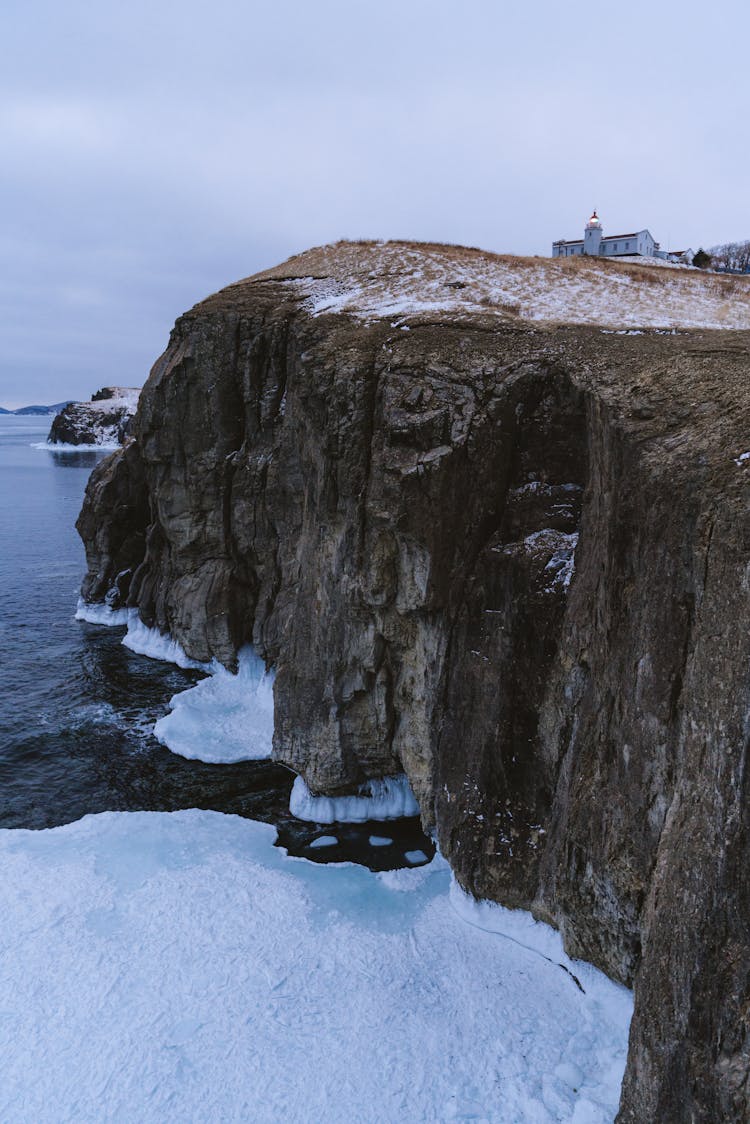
[510,558]
[105,420]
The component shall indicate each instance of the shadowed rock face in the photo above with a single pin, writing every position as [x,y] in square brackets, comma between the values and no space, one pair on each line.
[512,561]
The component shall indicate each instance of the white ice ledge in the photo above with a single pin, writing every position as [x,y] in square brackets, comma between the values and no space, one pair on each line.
[157,645]
[98,612]
[388,799]
[224,718]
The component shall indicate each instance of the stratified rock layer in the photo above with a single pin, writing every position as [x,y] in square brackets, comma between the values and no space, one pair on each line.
[511,560]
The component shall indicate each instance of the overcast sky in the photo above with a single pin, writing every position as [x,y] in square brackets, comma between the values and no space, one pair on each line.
[155,151]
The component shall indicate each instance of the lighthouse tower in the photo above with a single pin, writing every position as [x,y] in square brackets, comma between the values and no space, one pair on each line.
[592,238]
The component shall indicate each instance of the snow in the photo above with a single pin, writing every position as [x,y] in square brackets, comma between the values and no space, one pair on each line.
[519,926]
[224,718]
[561,547]
[400,281]
[159,966]
[742,458]
[561,565]
[386,799]
[125,397]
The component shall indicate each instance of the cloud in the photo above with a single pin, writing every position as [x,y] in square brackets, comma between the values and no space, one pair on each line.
[157,151]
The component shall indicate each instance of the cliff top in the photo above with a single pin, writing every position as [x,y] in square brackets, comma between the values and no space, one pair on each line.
[113,397]
[373,280]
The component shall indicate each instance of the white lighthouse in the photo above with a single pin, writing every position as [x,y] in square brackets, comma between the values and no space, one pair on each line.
[637,243]
[592,238]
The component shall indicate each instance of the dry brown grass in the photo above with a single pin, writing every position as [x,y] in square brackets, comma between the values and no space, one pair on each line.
[560,290]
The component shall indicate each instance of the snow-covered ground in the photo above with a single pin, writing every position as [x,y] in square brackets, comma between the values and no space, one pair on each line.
[177,967]
[403,280]
[125,396]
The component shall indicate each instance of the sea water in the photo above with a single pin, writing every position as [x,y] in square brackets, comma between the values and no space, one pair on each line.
[77,709]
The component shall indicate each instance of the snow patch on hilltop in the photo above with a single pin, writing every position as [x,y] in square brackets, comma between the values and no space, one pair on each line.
[400,281]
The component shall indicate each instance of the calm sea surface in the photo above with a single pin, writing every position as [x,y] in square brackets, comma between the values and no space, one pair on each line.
[77,708]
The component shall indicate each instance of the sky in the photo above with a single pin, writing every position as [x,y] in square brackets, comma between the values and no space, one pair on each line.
[153,152]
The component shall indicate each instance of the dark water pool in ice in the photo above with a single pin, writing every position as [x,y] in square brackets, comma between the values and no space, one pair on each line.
[77,708]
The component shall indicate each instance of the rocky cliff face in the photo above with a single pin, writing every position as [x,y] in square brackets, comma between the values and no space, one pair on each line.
[105,420]
[511,558]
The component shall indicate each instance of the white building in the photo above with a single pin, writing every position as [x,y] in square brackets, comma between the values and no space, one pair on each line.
[594,244]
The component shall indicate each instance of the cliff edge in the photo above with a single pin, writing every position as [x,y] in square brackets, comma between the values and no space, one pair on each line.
[487,517]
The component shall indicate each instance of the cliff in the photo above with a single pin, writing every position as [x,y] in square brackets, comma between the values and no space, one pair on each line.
[491,529]
[106,420]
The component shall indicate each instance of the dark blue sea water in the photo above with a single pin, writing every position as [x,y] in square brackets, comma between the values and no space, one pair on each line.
[77,708]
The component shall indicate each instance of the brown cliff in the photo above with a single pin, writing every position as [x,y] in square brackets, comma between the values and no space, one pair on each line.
[508,557]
